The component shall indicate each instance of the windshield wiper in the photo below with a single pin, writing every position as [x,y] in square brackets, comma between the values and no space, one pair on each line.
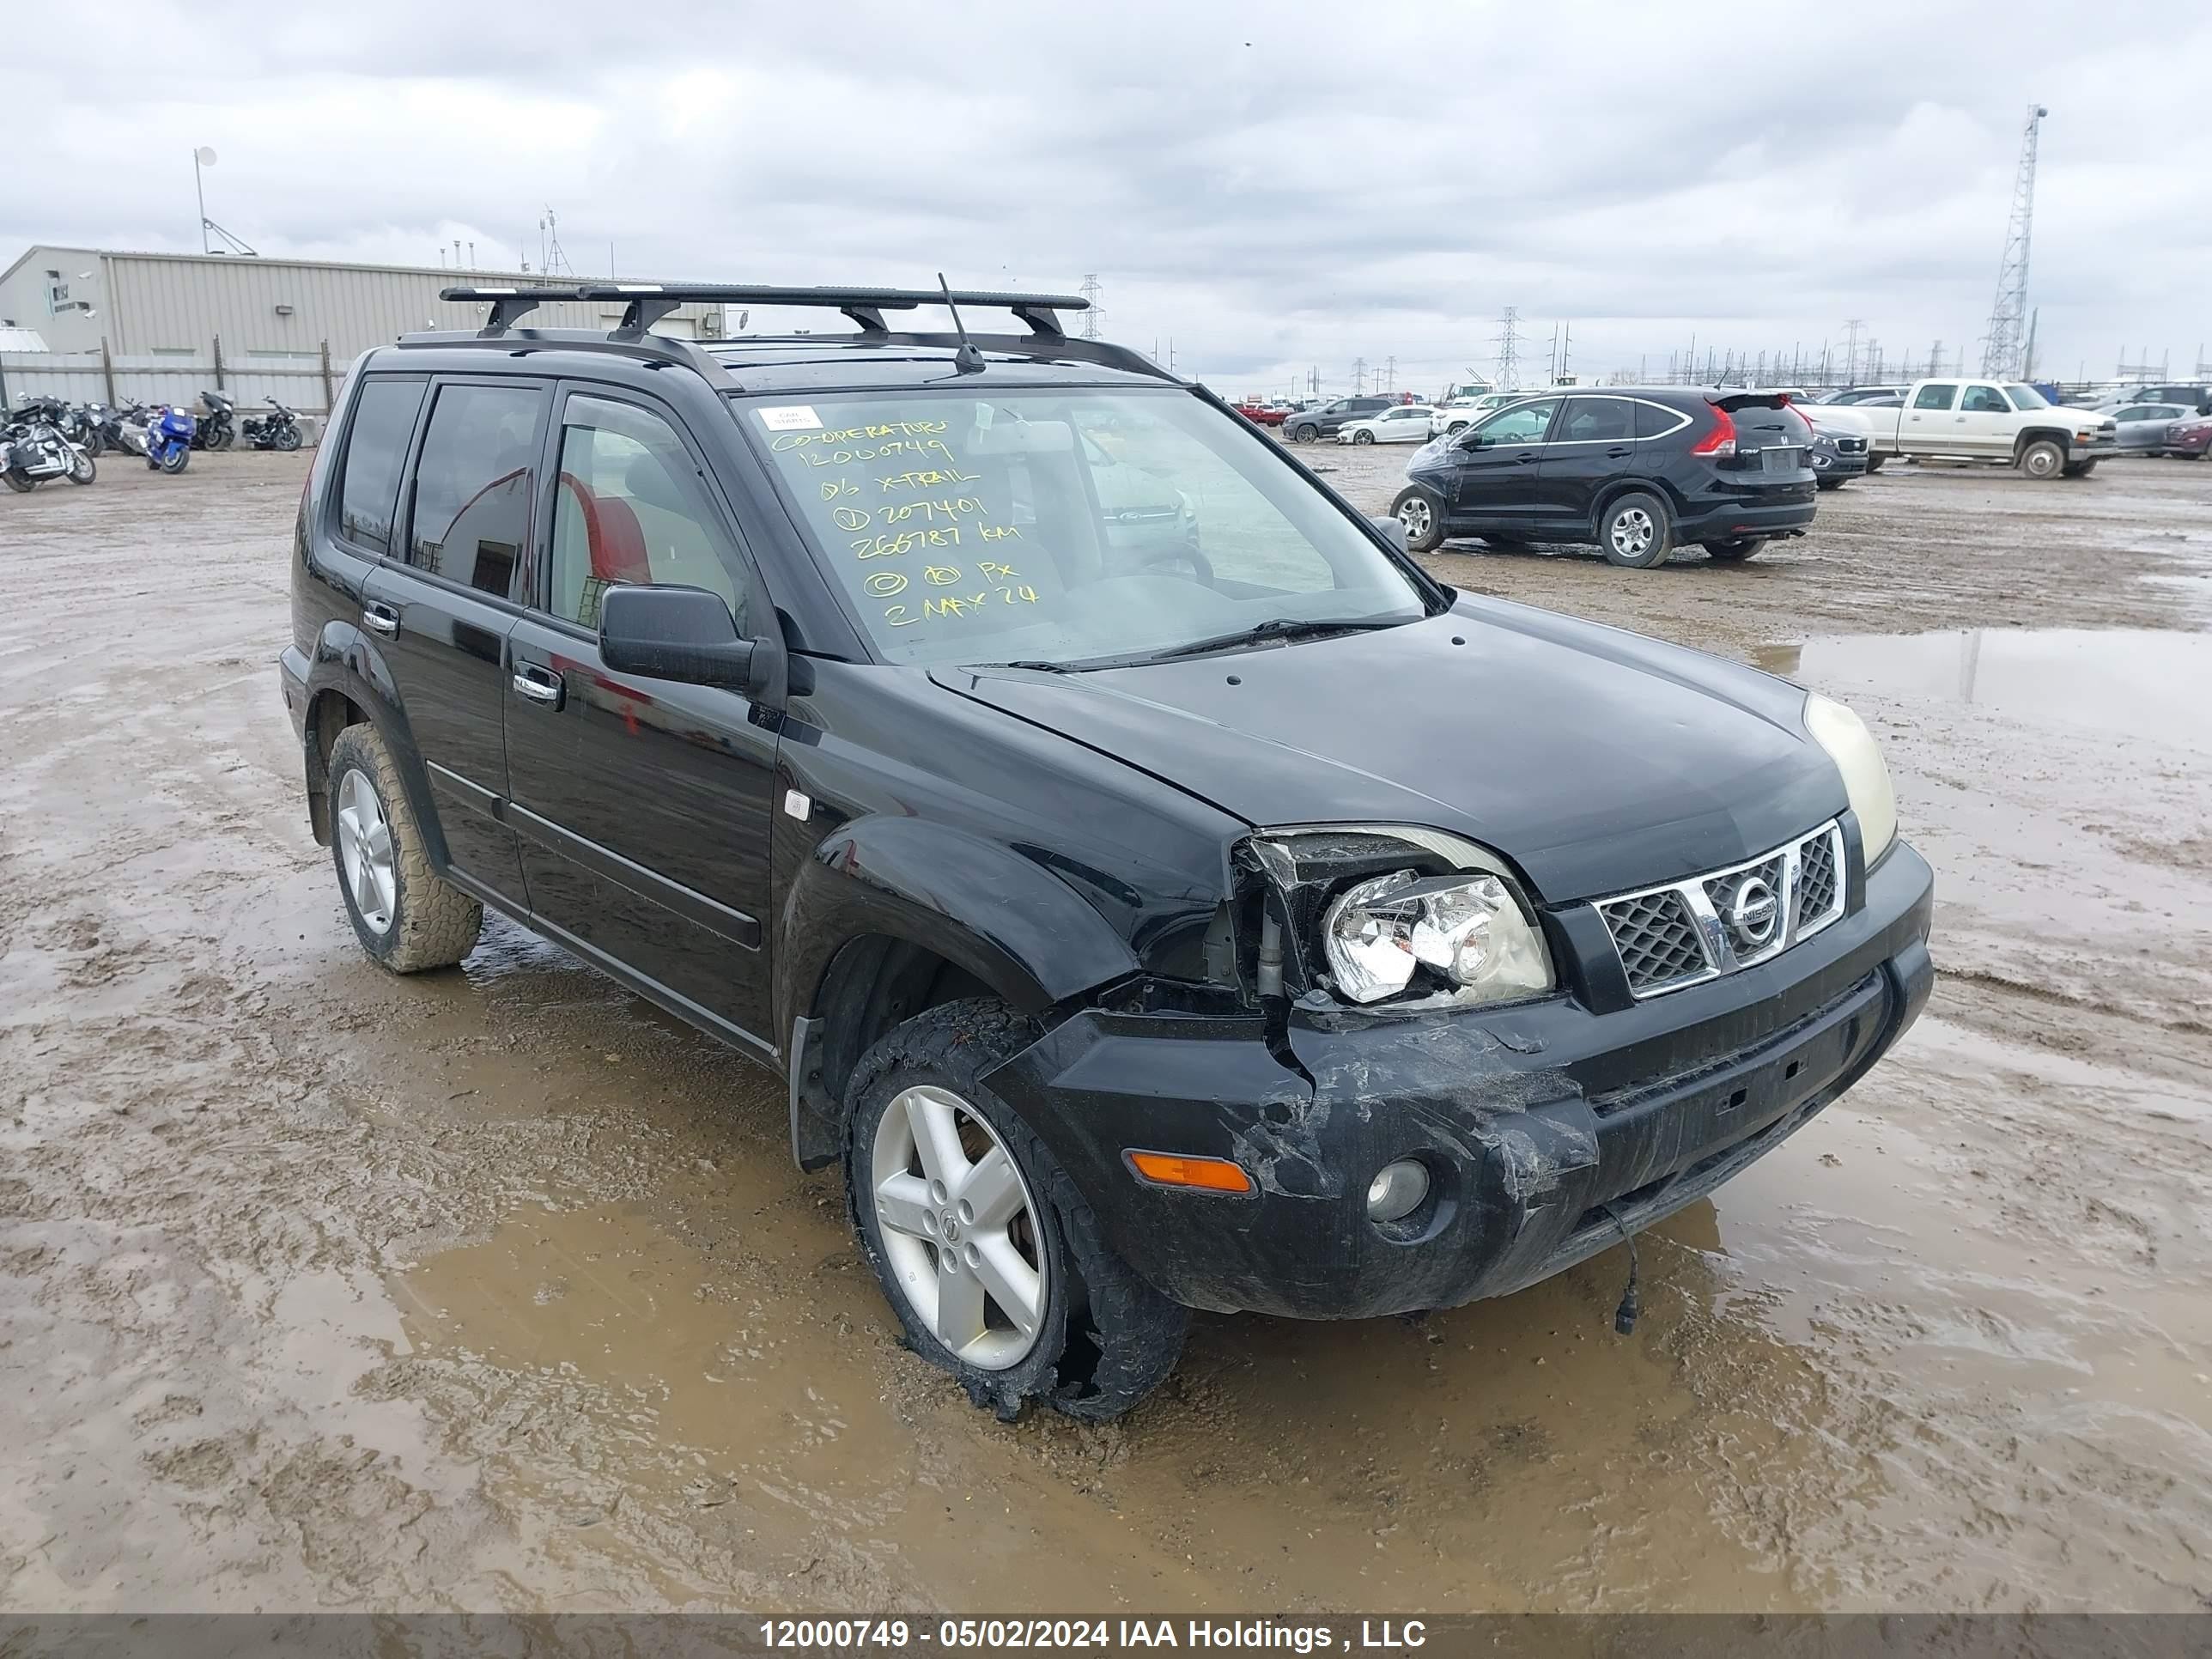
[1276,628]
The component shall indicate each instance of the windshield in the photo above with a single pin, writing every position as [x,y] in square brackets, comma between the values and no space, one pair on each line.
[1060,526]
[2027,397]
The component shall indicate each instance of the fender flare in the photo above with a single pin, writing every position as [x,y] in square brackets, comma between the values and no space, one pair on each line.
[1021,929]
[2062,436]
[346,662]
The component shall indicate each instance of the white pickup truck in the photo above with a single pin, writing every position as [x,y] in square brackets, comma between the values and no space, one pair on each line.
[1971,420]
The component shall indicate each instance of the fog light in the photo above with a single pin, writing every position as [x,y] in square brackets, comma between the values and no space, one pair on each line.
[1397,1190]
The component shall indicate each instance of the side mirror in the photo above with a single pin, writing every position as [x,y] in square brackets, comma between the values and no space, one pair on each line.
[1394,531]
[682,634]
[1471,439]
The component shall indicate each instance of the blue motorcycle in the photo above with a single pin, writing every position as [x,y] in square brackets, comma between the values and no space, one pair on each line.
[169,440]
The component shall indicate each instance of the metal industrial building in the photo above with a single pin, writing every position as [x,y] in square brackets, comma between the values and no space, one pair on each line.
[161,326]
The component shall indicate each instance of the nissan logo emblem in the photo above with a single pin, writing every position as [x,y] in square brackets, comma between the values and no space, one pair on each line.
[1753,913]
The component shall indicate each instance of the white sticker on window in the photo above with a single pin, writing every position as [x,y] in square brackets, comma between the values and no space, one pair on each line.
[790,417]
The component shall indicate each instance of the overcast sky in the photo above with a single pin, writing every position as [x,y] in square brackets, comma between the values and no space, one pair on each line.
[1273,186]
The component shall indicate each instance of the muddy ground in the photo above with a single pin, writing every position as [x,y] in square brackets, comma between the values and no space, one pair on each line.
[496,1288]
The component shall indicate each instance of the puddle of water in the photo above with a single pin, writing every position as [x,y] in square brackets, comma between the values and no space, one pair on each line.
[2141,683]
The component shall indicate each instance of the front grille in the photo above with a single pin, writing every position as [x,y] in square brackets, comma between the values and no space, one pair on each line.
[1657,939]
[1698,929]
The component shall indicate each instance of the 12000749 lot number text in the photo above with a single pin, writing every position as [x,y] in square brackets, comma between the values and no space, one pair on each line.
[948,1633]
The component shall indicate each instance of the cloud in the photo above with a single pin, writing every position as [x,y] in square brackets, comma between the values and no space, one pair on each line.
[1274,189]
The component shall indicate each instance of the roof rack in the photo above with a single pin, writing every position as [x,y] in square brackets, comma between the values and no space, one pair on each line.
[647,303]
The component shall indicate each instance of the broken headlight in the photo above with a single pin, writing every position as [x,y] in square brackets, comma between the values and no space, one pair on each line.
[1866,778]
[1468,931]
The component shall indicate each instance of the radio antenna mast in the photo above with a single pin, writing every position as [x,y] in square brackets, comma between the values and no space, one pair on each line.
[2002,348]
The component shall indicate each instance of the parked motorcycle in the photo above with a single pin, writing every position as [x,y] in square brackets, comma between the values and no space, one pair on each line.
[87,426]
[125,429]
[169,440]
[219,430]
[277,431]
[34,450]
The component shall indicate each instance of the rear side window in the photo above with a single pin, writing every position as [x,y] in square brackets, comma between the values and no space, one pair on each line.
[472,493]
[376,447]
[1654,421]
[1935,396]
[1595,420]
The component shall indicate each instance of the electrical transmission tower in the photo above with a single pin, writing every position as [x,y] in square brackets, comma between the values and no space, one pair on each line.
[2002,346]
[1509,349]
[1390,373]
[1092,292]
[1358,375]
[1851,327]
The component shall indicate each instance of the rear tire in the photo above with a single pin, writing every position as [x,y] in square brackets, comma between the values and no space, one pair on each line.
[18,482]
[407,918]
[1636,532]
[2041,460]
[1734,550]
[1103,1338]
[1423,515]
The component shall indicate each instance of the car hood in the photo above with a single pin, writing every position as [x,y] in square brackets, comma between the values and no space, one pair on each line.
[1595,760]
[1836,418]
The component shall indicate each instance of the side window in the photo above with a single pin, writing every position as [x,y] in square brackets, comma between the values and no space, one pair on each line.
[1654,421]
[632,507]
[2126,416]
[472,518]
[1938,396]
[1984,400]
[376,448]
[1595,420]
[1523,423]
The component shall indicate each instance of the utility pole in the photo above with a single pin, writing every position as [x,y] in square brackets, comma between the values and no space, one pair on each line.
[1312,381]
[1851,327]
[1092,292]
[1390,373]
[1509,349]
[2004,344]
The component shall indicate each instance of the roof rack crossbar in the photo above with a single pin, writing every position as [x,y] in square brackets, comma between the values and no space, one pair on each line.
[864,305]
[508,303]
[1062,347]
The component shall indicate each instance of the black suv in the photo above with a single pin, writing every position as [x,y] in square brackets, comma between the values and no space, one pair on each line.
[1327,419]
[1134,914]
[1637,470]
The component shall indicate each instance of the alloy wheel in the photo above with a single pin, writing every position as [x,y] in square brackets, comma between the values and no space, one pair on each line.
[1413,514]
[365,849]
[960,1229]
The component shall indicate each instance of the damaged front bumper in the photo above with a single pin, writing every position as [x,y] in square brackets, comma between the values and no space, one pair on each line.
[1546,1128]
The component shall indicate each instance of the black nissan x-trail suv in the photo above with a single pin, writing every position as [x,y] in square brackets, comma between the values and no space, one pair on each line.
[1155,890]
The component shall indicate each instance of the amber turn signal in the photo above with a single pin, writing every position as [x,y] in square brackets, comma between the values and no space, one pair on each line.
[1211,1175]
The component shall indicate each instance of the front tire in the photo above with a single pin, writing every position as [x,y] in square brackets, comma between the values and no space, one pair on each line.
[1875,463]
[1363,437]
[1826,484]
[1636,532]
[1423,515]
[1735,549]
[2042,459]
[407,917]
[289,439]
[176,460]
[83,468]
[992,1260]
[1304,434]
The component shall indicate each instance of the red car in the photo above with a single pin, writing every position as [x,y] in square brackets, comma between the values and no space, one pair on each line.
[1263,414]
[2192,437]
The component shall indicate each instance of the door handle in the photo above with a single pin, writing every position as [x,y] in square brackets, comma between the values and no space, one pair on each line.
[538,684]
[1526,461]
[1616,451]
[381,619]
